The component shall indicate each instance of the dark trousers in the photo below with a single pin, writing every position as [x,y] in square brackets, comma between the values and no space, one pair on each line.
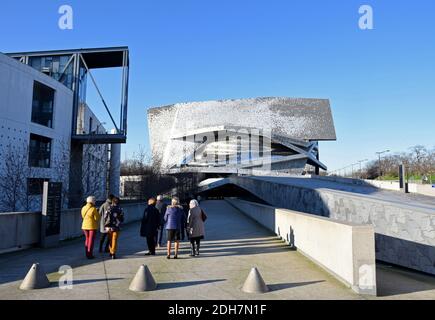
[151,242]
[195,249]
[102,239]
[195,240]
[160,235]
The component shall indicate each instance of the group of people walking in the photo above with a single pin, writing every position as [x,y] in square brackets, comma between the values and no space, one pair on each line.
[108,219]
[158,218]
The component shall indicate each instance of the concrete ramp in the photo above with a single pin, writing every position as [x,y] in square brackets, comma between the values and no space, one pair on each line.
[345,250]
[404,224]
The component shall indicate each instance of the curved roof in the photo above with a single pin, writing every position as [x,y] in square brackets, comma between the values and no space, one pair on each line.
[290,120]
[304,119]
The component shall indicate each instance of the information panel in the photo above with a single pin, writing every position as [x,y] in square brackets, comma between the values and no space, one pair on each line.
[51,213]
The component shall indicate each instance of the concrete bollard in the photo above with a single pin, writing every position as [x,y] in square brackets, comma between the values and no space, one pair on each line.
[255,283]
[143,280]
[35,278]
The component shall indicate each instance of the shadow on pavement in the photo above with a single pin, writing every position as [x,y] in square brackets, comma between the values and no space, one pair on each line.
[283,286]
[78,282]
[55,283]
[394,280]
[14,266]
[173,285]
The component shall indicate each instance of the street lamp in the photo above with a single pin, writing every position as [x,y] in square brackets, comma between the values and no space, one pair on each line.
[360,167]
[352,168]
[379,153]
[340,172]
[345,171]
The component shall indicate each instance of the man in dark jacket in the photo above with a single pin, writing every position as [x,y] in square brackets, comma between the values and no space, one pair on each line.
[185,205]
[103,212]
[161,207]
[149,226]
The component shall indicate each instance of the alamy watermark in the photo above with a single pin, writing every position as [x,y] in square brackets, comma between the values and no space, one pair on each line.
[67,278]
[241,147]
[367,277]
[66,20]
[366,19]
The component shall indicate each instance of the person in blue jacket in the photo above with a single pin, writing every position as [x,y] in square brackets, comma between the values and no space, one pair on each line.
[173,219]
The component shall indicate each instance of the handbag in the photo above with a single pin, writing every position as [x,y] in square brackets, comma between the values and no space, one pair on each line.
[203,216]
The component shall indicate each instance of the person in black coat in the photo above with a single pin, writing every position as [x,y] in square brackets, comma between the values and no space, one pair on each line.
[185,206]
[161,206]
[150,225]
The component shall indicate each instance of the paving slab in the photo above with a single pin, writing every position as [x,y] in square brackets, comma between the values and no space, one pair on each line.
[233,245]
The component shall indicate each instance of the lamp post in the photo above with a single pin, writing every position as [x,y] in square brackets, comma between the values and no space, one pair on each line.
[352,168]
[379,153]
[360,167]
[342,172]
[345,171]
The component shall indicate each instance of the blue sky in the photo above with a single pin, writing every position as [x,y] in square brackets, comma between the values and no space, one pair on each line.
[380,82]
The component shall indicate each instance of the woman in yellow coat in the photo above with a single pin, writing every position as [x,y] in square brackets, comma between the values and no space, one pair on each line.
[90,224]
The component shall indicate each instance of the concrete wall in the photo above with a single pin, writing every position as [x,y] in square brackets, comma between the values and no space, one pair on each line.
[16,96]
[405,234]
[22,230]
[425,189]
[19,230]
[345,250]
[389,185]
[428,190]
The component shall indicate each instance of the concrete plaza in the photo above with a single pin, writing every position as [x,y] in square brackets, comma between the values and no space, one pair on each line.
[233,244]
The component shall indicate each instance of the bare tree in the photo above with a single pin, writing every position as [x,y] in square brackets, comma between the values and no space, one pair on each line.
[61,166]
[14,172]
[418,157]
[419,162]
[146,179]
[431,162]
[95,168]
[92,173]
[138,164]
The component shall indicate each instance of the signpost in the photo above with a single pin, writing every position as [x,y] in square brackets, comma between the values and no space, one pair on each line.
[51,214]
[402,178]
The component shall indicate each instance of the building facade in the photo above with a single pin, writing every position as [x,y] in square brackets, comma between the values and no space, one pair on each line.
[40,115]
[230,136]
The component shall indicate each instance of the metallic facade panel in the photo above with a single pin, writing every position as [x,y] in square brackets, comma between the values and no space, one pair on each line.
[289,118]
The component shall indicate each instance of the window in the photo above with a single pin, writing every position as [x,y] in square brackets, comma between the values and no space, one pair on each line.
[42,105]
[39,151]
[35,186]
[57,67]
[239,150]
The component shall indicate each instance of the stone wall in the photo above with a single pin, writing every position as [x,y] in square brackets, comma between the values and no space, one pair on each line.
[23,229]
[405,235]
